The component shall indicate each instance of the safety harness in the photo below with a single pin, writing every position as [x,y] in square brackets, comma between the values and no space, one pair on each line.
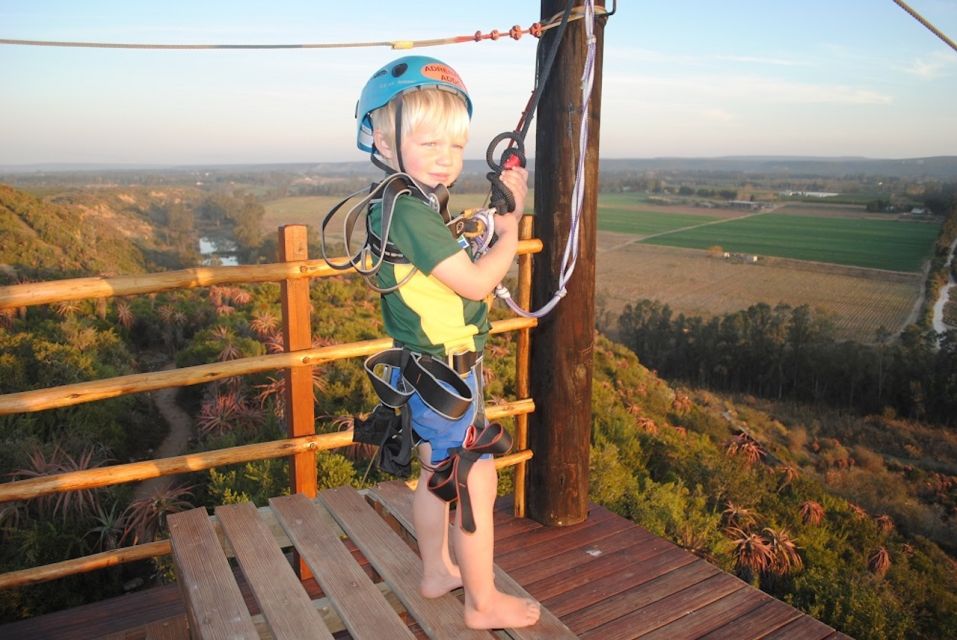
[475,225]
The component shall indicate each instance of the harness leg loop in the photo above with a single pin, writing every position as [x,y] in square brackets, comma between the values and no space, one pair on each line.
[449,480]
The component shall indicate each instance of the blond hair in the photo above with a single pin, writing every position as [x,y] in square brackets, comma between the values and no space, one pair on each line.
[442,109]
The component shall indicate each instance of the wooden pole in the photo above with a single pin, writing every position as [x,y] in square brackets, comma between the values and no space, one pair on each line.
[560,428]
[300,403]
[522,365]
[297,331]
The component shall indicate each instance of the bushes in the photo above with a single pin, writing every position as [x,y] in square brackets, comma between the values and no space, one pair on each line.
[677,482]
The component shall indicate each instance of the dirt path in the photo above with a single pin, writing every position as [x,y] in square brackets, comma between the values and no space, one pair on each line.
[939,325]
[919,303]
[180,430]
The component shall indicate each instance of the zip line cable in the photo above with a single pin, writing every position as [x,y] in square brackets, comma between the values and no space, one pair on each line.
[937,32]
[516,32]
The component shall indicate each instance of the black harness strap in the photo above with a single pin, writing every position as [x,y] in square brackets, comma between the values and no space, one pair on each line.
[368,259]
[449,480]
[421,373]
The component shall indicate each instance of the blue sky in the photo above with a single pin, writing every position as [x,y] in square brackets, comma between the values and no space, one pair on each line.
[685,78]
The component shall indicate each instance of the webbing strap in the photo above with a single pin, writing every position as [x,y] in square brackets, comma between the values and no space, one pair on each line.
[423,374]
[368,259]
[449,480]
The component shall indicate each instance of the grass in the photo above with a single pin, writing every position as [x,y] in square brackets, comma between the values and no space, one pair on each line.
[628,220]
[876,244]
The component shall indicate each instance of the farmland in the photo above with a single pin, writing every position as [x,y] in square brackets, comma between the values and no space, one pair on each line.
[861,269]
[859,301]
[878,244]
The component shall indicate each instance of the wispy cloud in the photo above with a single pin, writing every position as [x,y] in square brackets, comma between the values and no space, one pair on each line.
[660,57]
[932,67]
[752,89]
[782,62]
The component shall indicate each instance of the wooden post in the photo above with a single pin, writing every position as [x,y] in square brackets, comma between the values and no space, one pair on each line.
[562,344]
[522,364]
[297,334]
[297,331]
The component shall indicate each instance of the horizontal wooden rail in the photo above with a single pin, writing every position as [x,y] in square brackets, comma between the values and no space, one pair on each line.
[135,471]
[105,559]
[69,395]
[35,293]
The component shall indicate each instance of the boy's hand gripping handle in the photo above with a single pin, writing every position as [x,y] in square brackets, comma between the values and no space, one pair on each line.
[514,156]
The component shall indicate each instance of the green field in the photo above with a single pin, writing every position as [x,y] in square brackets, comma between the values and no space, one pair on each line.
[630,220]
[877,244]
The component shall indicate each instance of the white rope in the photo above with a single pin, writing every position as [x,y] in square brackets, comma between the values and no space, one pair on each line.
[570,256]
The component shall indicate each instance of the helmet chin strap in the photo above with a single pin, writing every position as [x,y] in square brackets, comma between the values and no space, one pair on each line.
[398,134]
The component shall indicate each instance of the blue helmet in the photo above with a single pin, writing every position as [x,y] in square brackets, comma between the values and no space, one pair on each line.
[409,72]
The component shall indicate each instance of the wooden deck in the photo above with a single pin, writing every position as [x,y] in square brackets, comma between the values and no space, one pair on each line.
[605,578]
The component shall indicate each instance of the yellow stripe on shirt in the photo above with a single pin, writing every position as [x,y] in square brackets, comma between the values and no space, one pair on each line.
[441,310]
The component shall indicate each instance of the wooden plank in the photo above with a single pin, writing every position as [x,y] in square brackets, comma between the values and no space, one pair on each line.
[400,568]
[574,558]
[599,612]
[757,623]
[281,598]
[665,609]
[214,603]
[361,606]
[541,548]
[716,615]
[615,575]
[174,628]
[803,628]
[548,627]
[552,538]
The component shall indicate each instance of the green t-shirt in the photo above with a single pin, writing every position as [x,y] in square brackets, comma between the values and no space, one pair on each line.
[424,314]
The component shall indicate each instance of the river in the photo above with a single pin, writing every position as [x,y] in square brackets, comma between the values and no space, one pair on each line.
[224,250]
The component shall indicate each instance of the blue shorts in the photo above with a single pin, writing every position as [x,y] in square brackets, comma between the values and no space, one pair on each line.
[441,433]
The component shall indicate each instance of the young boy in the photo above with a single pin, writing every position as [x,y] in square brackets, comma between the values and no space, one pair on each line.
[413,117]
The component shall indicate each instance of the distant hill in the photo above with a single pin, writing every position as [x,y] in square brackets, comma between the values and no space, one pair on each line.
[65,236]
[937,167]
[940,167]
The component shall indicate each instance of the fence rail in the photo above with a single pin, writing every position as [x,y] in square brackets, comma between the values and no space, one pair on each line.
[298,448]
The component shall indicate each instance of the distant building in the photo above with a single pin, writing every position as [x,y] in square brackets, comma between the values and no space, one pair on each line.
[809,194]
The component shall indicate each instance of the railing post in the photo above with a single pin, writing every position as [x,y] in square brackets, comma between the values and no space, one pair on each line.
[523,362]
[297,334]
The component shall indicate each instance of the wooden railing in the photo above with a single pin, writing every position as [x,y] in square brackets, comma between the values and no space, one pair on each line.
[293,272]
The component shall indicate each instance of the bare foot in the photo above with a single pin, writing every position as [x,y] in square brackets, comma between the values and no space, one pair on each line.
[438,585]
[503,612]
